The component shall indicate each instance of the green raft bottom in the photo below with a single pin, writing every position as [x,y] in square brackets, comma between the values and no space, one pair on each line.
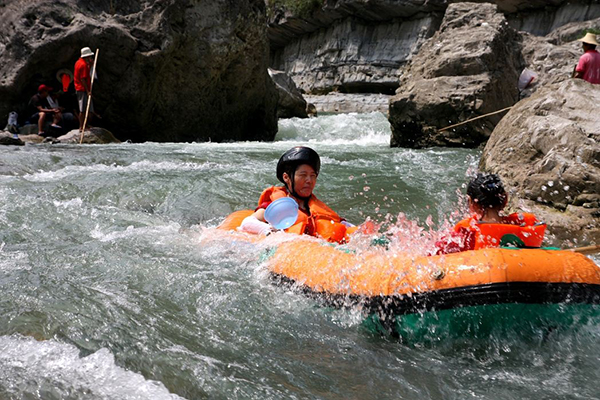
[494,320]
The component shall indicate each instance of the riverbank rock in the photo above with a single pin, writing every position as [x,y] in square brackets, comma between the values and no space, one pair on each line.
[554,56]
[90,136]
[9,139]
[547,150]
[93,135]
[291,103]
[173,70]
[467,69]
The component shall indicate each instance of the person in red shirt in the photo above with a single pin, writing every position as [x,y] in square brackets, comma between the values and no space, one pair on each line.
[588,67]
[82,81]
[487,227]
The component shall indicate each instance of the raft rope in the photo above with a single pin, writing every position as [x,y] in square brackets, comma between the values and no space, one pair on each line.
[473,119]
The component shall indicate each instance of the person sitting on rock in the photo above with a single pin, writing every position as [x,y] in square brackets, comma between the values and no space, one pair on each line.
[59,100]
[298,169]
[487,227]
[40,109]
[588,67]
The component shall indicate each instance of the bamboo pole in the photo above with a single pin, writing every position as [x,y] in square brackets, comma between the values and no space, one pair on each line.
[473,119]
[587,249]
[87,108]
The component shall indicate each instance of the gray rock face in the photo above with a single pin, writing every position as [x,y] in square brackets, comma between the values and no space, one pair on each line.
[354,56]
[350,102]
[291,103]
[547,149]
[465,70]
[361,46]
[172,70]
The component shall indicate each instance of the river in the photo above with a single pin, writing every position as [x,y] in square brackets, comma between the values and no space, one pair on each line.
[115,285]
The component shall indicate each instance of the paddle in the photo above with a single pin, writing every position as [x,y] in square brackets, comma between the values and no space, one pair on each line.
[587,249]
[87,108]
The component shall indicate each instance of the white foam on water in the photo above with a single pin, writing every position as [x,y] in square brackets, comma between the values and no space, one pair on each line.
[52,370]
[357,129]
[158,231]
[139,166]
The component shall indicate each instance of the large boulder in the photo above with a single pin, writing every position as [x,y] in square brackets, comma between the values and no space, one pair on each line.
[547,150]
[469,68]
[291,103]
[172,70]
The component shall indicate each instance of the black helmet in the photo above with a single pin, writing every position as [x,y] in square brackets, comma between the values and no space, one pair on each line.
[296,156]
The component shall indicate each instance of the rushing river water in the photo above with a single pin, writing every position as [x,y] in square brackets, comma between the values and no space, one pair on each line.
[115,285]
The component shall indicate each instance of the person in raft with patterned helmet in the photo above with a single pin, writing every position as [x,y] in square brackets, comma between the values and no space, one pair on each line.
[298,169]
[487,227]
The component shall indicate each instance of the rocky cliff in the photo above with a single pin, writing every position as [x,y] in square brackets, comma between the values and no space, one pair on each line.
[464,70]
[359,46]
[172,70]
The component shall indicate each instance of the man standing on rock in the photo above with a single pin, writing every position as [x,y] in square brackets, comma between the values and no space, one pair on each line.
[83,82]
[588,67]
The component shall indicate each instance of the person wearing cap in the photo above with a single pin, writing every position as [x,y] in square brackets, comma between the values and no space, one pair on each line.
[298,169]
[82,80]
[40,109]
[588,67]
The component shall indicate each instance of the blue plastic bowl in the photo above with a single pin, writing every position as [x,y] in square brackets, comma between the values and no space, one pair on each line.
[282,213]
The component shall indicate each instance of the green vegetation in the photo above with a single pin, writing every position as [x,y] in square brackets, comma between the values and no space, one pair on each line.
[299,8]
[595,31]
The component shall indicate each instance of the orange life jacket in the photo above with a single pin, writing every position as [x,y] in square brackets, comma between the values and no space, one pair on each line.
[517,229]
[320,221]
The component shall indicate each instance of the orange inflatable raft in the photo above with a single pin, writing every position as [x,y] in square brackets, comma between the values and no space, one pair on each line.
[387,283]
[398,284]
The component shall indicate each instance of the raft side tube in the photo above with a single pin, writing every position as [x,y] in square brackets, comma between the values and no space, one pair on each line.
[468,296]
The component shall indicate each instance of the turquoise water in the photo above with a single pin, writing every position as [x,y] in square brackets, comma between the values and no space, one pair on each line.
[114,283]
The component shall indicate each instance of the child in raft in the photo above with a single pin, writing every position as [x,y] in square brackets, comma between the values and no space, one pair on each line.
[487,227]
[298,169]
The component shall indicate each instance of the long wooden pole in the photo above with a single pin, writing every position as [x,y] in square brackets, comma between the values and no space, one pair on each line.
[87,108]
[473,119]
[587,249]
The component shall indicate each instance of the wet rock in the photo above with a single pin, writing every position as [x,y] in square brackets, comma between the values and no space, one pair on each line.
[174,70]
[7,138]
[469,68]
[93,135]
[291,103]
[547,150]
[90,136]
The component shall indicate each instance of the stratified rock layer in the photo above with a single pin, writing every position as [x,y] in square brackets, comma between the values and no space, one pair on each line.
[547,150]
[173,70]
[465,70]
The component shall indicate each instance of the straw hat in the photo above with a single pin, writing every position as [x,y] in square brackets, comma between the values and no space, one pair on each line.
[589,38]
[62,72]
[86,52]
